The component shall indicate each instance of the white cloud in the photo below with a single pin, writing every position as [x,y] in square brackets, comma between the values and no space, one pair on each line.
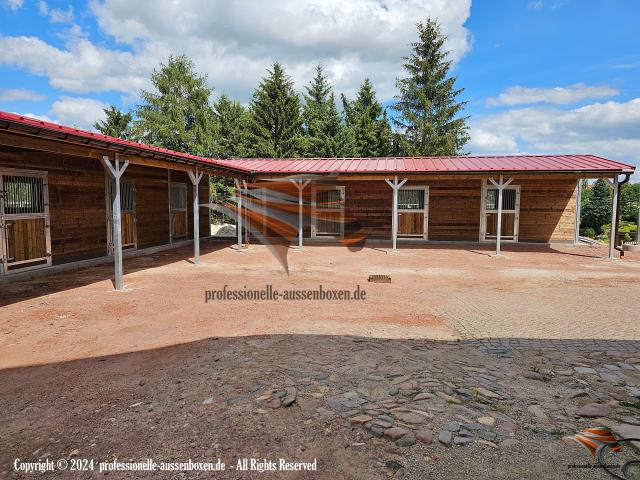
[557,95]
[77,112]
[17,94]
[536,5]
[611,129]
[234,42]
[56,15]
[83,67]
[14,4]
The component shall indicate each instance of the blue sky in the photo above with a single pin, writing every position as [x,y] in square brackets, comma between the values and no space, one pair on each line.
[542,76]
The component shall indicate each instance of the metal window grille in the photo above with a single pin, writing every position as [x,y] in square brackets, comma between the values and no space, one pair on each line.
[411,199]
[328,199]
[178,196]
[23,195]
[508,199]
[127,195]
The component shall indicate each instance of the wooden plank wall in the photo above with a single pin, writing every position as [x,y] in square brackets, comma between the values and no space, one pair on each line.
[77,208]
[77,202]
[454,209]
[547,209]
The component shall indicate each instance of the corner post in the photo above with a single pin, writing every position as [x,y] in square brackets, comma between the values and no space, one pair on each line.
[195,181]
[115,172]
[576,239]
[614,212]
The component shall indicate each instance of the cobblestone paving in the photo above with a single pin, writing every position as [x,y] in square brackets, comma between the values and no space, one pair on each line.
[365,408]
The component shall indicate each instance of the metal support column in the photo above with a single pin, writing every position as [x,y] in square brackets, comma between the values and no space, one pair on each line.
[115,172]
[614,211]
[195,181]
[576,239]
[300,185]
[394,219]
[501,185]
[239,213]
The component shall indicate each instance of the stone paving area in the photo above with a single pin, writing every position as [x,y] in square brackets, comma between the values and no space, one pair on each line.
[365,408]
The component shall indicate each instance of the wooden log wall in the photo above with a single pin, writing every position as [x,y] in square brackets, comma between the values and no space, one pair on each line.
[77,202]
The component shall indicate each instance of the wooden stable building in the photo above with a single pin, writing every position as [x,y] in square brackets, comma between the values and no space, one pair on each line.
[68,195]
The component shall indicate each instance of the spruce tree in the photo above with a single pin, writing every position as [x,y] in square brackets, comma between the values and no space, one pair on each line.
[178,114]
[369,123]
[326,135]
[231,120]
[428,109]
[117,123]
[275,122]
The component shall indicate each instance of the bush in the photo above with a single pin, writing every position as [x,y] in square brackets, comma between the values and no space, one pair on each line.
[588,232]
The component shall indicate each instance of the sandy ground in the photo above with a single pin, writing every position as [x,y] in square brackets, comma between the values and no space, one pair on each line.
[436,293]
[155,372]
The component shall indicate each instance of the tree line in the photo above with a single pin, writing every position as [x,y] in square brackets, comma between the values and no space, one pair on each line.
[596,207]
[180,113]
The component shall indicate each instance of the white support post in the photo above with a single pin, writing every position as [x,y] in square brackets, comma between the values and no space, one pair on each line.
[614,212]
[576,239]
[115,172]
[638,224]
[239,213]
[246,214]
[300,185]
[195,181]
[394,219]
[501,185]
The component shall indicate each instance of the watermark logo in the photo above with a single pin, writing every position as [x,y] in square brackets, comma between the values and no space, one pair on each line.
[614,455]
[273,211]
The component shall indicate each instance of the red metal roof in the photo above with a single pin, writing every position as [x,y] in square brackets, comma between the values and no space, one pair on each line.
[381,165]
[61,132]
[466,164]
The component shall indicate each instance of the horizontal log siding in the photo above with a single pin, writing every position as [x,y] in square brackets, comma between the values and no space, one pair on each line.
[454,210]
[152,204]
[77,203]
[77,208]
[547,209]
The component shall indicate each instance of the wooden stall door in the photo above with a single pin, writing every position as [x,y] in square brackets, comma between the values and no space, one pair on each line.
[412,211]
[24,221]
[128,220]
[328,212]
[510,213]
[178,204]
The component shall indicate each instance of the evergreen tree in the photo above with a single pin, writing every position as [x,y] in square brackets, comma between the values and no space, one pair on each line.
[275,123]
[629,202]
[597,211]
[117,124]
[369,123]
[326,135]
[178,114]
[427,106]
[231,121]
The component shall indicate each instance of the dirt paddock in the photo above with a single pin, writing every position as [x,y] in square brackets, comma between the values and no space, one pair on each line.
[438,293]
[501,352]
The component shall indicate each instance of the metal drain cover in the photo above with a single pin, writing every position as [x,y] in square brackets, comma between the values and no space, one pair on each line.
[380,278]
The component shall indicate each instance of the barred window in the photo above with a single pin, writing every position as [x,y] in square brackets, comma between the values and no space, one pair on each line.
[23,195]
[411,199]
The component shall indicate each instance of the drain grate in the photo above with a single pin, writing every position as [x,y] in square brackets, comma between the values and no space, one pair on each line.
[380,278]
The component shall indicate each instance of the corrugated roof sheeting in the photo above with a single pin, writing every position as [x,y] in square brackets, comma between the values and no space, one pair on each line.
[507,163]
[384,165]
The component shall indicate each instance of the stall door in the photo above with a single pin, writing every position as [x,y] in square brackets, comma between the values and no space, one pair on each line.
[510,213]
[25,241]
[412,212]
[178,213]
[128,219]
[328,212]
